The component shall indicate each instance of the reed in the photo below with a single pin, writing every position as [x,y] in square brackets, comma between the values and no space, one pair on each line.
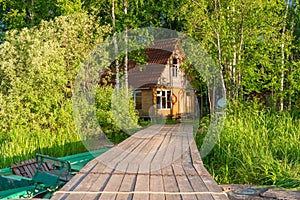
[22,144]
[256,146]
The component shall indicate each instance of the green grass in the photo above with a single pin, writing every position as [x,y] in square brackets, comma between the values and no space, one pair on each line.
[256,147]
[22,144]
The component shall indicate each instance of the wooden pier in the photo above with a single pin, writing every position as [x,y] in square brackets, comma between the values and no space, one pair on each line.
[159,162]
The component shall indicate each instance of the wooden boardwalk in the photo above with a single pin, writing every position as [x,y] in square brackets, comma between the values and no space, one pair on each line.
[160,162]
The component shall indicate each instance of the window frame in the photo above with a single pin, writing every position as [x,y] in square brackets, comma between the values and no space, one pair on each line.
[174,67]
[134,95]
[163,99]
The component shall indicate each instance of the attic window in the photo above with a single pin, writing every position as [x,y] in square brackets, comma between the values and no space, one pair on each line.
[174,67]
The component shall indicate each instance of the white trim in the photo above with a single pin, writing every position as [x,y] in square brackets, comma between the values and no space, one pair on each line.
[165,97]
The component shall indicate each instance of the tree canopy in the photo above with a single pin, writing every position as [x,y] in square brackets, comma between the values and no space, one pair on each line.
[38,66]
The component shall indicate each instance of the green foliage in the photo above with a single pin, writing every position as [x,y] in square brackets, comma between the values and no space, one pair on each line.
[256,146]
[116,117]
[38,67]
[68,7]
[171,121]
[18,14]
[104,113]
[123,110]
[144,123]
[246,39]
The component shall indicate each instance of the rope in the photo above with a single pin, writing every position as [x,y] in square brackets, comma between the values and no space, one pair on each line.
[139,192]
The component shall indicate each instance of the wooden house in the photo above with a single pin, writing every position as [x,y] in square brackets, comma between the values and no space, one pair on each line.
[160,88]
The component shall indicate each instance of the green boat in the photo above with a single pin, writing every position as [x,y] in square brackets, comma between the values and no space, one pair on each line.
[42,176]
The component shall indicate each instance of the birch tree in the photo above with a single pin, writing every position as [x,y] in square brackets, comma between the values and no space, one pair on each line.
[126,49]
[248,40]
[115,43]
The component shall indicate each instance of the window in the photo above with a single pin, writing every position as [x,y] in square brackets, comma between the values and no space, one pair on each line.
[163,99]
[188,93]
[137,97]
[174,67]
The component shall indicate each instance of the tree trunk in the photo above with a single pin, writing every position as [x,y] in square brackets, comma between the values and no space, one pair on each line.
[219,58]
[283,58]
[234,60]
[126,51]
[292,55]
[239,78]
[115,43]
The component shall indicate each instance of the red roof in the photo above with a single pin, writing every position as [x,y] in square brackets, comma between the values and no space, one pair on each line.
[161,50]
[145,76]
[158,55]
[165,44]
[148,75]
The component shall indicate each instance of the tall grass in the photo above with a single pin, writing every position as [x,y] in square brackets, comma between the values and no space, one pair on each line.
[256,146]
[22,144]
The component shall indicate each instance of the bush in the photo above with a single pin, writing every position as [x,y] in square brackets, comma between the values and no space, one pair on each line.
[37,71]
[115,113]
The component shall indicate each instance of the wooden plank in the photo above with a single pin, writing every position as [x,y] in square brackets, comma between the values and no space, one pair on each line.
[157,185]
[89,196]
[99,183]
[140,135]
[30,168]
[136,155]
[198,165]
[178,145]
[220,196]
[149,132]
[193,176]
[85,184]
[158,140]
[133,160]
[46,167]
[152,181]
[113,185]
[118,154]
[196,182]
[156,161]
[89,166]
[183,182]
[142,185]
[68,187]
[17,171]
[168,155]
[170,183]
[211,184]
[194,151]
[74,182]
[197,168]
[186,151]
[129,144]
[112,153]
[178,156]
[128,183]
[27,170]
